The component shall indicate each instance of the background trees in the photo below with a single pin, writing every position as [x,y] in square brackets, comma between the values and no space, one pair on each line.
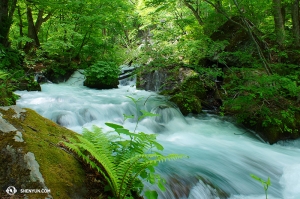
[231,40]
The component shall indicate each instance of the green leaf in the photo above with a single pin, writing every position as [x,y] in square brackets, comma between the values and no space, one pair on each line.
[161,185]
[114,126]
[268,182]
[144,174]
[158,146]
[256,177]
[125,132]
[148,114]
[151,169]
[133,99]
[151,194]
[128,116]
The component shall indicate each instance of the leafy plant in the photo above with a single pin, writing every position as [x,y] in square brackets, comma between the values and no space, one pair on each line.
[7,97]
[265,184]
[103,72]
[10,59]
[256,97]
[123,161]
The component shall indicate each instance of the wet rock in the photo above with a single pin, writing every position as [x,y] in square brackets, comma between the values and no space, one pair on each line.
[101,85]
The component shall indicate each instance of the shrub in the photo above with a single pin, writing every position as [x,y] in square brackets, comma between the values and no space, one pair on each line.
[102,74]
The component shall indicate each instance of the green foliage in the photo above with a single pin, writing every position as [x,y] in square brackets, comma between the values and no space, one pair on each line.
[10,59]
[125,158]
[254,96]
[102,72]
[7,96]
[122,161]
[264,183]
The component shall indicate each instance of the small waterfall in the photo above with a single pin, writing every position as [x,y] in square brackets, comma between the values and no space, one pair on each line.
[127,77]
[76,79]
[40,78]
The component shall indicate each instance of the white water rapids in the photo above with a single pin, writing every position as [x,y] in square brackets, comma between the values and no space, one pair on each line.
[221,155]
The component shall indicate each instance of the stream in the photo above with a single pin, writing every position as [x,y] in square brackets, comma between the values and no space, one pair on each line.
[221,155]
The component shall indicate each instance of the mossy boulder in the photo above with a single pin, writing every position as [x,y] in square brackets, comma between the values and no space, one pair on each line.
[184,86]
[187,103]
[33,158]
[189,94]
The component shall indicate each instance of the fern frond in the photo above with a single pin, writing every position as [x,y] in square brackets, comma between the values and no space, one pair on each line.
[121,162]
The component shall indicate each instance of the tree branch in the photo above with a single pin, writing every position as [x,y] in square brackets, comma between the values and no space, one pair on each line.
[195,12]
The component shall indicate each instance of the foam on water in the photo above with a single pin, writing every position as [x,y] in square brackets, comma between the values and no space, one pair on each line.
[219,152]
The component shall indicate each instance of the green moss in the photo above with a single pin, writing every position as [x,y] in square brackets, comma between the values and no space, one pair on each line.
[194,86]
[188,95]
[187,103]
[62,173]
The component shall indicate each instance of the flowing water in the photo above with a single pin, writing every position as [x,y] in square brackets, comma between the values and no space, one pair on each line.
[221,155]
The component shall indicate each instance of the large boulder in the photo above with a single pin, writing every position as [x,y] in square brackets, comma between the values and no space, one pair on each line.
[31,157]
[184,86]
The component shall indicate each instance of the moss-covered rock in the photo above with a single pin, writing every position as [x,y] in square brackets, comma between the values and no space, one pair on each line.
[183,85]
[27,138]
[187,103]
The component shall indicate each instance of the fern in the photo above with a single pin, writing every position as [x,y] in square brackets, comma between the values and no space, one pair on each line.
[121,162]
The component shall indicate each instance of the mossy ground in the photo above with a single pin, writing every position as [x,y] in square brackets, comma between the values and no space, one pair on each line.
[64,175]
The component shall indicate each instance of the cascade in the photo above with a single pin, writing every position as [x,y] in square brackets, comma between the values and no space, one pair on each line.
[221,155]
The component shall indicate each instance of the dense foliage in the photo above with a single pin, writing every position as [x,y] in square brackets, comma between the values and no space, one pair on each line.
[244,52]
[103,74]
[252,45]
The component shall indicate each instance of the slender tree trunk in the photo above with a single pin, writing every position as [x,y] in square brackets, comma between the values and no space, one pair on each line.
[32,33]
[4,23]
[295,20]
[218,5]
[6,14]
[279,22]
[195,11]
[40,20]
[34,28]
[20,27]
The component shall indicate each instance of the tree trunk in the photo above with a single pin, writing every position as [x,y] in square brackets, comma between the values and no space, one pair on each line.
[195,12]
[40,20]
[32,34]
[6,14]
[279,23]
[20,27]
[4,23]
[34,28]
[295,20]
